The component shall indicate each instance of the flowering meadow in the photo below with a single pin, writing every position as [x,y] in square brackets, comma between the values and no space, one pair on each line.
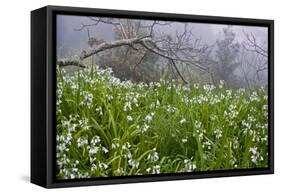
[108,127]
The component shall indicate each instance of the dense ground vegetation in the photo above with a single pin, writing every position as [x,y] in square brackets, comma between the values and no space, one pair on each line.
[108,127]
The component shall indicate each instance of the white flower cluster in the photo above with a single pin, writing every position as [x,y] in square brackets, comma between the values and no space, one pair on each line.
[244,118]
[255,157]
[153,156]
[171,109]
[99,110]
[218,133]
[199,130]
[142,129]
[189,165]
[148,118]
[154,170]
[86,99]
[82,141]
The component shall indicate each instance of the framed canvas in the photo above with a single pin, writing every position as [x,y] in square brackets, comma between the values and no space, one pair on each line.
[126,96]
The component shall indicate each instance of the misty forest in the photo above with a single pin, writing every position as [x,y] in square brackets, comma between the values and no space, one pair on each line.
[142,97]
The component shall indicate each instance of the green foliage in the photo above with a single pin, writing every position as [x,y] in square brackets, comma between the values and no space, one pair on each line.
[107,127]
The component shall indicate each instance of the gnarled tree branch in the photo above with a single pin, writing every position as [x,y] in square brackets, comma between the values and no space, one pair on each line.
[109,45]
[143,41]
[68,62]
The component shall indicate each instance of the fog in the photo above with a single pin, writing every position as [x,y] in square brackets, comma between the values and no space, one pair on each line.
[71,40]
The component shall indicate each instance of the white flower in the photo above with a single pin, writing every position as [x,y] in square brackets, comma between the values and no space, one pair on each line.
[145,128]
[156,169]
[129,118]
[120,171]
[92,159]
[183,121]
[208,88]
[94,150]
[218,133]
[115,145]
[99,110]
[153,156]
[255,157]
[189,165]
[82,141]
[253,150]
[94,167]
[134,163]
[184,140]
[72,176]
[109,97]
[207,144]
[254,97]
[104,150]
[135,101]
[142,129]
[171,109]
[127,106]
[148,118]
[196,86]
[192,167]
[103,166]
[198,124]
[89,99]
[128,145]
[95,140]
[157,103]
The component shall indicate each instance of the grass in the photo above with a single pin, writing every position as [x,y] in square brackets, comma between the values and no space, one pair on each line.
[107,127]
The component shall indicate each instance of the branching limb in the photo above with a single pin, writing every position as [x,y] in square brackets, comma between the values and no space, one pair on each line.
[109,45]
[67,62]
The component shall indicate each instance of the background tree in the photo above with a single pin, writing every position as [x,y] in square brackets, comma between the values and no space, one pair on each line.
[226,58]
[258,62]
[131,61]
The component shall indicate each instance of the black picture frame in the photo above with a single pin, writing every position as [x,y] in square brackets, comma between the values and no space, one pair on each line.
[43,94]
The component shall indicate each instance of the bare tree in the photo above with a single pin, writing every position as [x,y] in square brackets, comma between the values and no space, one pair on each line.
[258,54]
[142,39]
